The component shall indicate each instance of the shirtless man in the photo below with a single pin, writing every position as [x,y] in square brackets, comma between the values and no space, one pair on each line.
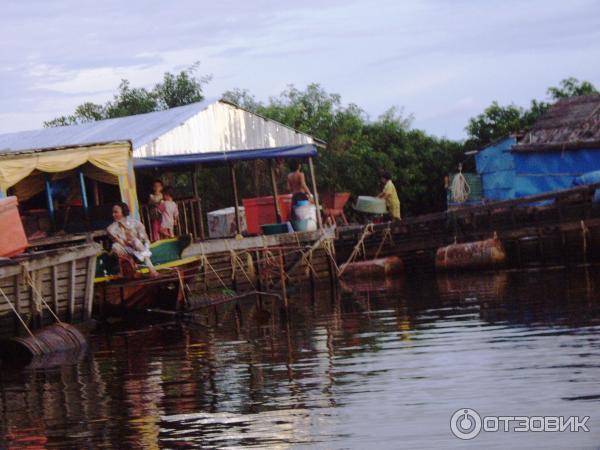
[297,184]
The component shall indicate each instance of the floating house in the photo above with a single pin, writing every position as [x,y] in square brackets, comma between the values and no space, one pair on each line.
[65,165]
[561,147]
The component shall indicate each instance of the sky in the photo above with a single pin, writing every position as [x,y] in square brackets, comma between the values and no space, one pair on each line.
[443,61]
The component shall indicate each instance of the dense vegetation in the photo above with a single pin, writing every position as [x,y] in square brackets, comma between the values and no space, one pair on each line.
[357,146]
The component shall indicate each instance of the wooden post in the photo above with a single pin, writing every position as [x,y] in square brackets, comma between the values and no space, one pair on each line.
[282,279]
[315,192]
[72,275]
[238,223]
[55,287]
[198,202]
[89,288]
[275,191]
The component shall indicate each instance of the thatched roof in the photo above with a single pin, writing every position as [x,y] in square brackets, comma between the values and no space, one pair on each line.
[570,123]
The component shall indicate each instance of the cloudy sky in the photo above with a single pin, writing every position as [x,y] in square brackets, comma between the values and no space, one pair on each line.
[442,60]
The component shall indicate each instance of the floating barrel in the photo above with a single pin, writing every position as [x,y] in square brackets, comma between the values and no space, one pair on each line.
[55,338]
[472,255]
[373,268]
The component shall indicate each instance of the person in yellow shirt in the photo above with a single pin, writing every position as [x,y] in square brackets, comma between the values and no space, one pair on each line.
[390,195]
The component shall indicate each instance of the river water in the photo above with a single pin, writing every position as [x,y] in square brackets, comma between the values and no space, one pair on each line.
[370,366]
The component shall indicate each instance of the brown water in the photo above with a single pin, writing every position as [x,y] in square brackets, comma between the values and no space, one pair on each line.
[380,368]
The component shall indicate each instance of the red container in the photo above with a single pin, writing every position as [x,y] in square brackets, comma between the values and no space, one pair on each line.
[12,237]
[261,211]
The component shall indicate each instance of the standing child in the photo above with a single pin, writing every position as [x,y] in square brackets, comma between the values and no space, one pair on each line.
[169,214]
[154,201]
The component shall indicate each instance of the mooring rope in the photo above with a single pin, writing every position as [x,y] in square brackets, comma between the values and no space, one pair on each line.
[368,230]
[386,234]
[29,280]
[21,320]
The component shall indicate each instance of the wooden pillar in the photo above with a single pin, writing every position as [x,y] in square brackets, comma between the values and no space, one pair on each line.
[194,175]
[315,192]
[275,192]
[238,223]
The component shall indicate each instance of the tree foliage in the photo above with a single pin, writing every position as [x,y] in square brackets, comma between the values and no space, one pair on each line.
[174,90]
[358,148]
[497,121]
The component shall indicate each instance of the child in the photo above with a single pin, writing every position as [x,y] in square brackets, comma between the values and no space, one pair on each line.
[154,201]
[390,195]
[169,214]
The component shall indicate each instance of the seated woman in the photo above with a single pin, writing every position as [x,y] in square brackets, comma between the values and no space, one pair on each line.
[129,238]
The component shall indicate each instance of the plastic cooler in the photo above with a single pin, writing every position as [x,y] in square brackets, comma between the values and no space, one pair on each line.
[261,211]
[12,237]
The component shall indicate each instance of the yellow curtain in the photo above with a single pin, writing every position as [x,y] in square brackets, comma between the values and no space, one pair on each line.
[112,158]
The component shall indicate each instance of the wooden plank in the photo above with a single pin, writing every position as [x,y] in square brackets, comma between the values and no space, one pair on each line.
[89,287]
[254,242]
[46,259]
[72,272]
[55,288]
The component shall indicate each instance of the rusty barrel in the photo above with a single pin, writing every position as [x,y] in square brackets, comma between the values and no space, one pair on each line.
[471,255]
[374,268]
[58,337]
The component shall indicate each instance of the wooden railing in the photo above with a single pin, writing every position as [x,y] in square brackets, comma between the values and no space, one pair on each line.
[191,219]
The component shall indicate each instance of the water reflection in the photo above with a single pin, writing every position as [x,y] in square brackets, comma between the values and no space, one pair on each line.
[382,364]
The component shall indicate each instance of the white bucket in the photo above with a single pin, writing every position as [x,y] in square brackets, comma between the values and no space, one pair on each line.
[308,213]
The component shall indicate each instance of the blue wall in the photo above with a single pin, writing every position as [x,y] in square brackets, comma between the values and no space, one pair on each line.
[496,166]
[507,175]
[539,172]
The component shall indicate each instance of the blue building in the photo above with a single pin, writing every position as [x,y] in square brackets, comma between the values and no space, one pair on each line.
[563,145]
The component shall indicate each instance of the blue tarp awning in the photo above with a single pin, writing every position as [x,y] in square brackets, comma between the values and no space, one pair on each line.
[291,151]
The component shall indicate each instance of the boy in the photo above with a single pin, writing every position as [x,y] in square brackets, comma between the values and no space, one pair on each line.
[390,195]
[297,185]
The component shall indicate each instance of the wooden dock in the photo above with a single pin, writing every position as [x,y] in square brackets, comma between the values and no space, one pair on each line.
[62,278]
[555,229]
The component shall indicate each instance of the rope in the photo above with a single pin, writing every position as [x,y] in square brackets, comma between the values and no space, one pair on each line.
[459,188]
[27,277]
[357,248]
[386,234]
[19,317]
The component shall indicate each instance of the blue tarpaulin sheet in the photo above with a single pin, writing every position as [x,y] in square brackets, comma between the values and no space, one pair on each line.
[293,151]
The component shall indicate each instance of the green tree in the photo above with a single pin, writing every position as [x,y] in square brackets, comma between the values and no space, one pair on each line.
[174,90]
[571,87]
[498,121]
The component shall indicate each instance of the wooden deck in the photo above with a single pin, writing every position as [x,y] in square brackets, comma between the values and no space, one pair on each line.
[559,228]
[64,278]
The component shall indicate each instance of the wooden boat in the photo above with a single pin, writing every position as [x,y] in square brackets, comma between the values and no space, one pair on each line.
[139,290]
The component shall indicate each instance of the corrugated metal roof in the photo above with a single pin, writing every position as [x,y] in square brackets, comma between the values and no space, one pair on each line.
[140,129]
[570,123]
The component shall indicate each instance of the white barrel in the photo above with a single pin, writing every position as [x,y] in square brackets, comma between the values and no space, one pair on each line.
[308,213]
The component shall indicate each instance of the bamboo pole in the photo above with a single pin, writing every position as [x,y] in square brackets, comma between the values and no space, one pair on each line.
[315,192]
[238,223]
[275,192]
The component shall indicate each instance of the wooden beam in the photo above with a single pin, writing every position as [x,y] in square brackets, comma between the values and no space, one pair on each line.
[254,242]
[315,192]
[238,223]
[89,288]
[72,273]
[275,191]
[194,175]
